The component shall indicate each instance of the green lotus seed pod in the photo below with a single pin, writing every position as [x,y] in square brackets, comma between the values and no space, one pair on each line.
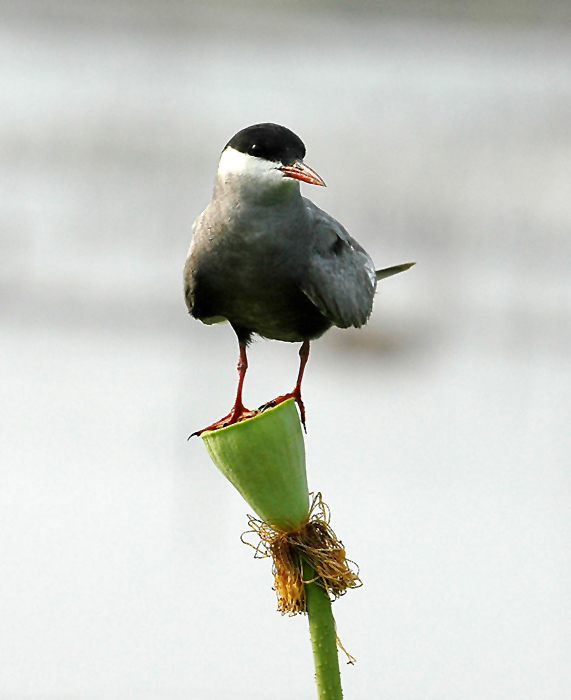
[264,458]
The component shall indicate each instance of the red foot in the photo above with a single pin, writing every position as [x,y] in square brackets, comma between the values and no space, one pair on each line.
[236,415]
[296,393]
[239,411]
[285,397]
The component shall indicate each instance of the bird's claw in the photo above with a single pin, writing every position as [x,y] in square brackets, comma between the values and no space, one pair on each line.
[236,415]
[280,399]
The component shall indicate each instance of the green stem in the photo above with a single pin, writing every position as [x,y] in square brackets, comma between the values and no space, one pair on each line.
[323,638]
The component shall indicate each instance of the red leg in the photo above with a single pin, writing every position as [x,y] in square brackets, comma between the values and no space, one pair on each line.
[239,411]
[238,408]
[296,393]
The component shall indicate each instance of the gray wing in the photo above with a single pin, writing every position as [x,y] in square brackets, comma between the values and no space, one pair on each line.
[197,307]
[340,278]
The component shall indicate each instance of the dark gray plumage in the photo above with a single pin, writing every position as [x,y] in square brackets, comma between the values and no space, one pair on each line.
[270,261]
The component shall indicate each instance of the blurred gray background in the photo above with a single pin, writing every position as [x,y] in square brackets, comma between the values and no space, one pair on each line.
[439,434]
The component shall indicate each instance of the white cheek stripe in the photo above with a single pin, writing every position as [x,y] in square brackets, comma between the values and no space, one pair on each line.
[232,162]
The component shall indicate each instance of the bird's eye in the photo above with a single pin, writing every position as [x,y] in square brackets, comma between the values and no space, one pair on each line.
[254,148]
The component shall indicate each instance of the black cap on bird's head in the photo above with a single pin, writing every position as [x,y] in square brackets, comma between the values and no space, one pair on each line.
[269,141]
[276,144]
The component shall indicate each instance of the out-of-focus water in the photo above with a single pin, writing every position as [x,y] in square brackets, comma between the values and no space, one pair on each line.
[439,435]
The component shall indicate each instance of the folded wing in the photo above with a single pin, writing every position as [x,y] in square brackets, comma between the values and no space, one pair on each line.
[340,278]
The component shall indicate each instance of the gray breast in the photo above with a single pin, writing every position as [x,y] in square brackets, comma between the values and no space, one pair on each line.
[246,265]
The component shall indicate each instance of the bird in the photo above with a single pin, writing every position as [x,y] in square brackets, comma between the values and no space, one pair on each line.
[271,262]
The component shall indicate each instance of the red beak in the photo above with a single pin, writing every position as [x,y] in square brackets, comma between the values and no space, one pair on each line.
[300,171]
